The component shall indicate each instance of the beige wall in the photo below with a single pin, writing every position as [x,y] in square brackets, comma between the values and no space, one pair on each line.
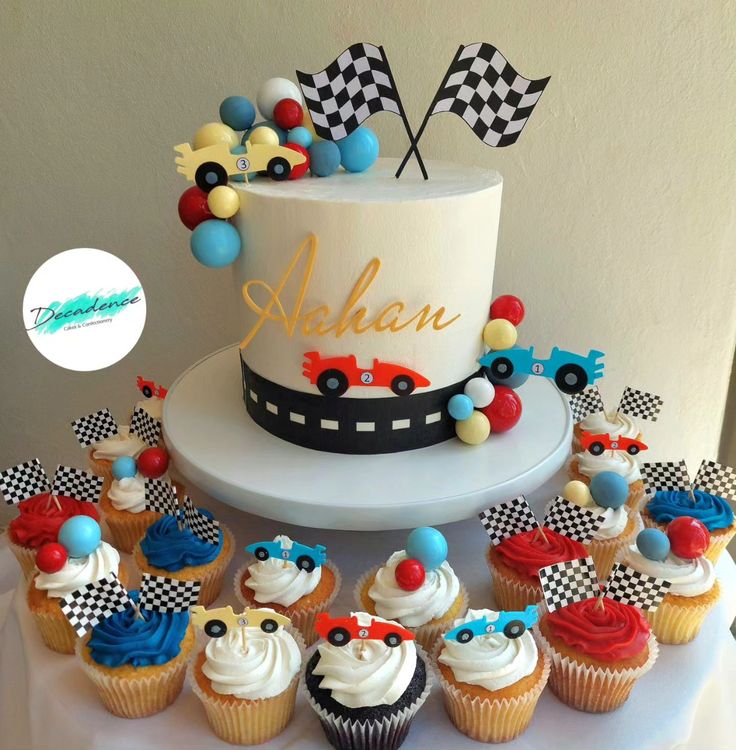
[618,223]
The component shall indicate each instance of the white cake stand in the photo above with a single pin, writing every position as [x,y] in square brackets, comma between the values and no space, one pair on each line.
[220,449]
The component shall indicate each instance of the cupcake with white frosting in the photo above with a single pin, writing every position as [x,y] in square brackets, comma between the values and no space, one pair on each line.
[491,683]
[102,454]
[616,424]
[584,466]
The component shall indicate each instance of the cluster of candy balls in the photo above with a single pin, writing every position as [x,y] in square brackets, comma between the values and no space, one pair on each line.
[426,549]
[151,463]
[485,406]
[78,537]
[214,242]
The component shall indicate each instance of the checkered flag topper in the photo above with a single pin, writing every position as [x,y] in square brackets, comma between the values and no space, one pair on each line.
[145,426]
[666,475]
[717,479]
[94,427]
[585,403]
[161,497]
[349,90]
[508,519]
[568,582]
[77,483]
[640,404]
[161,594]
[21,482]
[96,601]
[637,589]
[207,529]
[572,521]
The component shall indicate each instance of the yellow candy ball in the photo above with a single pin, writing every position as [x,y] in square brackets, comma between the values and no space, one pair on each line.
[499,334]
[265,136]
[473,430]
[223,201]
[214,133]
[578,493]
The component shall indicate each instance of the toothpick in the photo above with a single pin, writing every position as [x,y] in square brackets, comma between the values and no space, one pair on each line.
[540,532]
[137,608]
[244,638]
[361,650]
[599,604]
[56,501]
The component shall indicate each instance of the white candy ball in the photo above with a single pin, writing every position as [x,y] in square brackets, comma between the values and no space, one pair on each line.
[480,391]
[272,92]
[578,493]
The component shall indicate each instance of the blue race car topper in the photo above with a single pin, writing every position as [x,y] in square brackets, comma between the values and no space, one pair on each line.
[510,624]
[304,557]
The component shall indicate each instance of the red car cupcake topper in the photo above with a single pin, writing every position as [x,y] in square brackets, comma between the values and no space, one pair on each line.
[596,444]
[339,631]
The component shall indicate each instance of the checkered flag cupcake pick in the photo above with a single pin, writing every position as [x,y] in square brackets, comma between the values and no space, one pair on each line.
[91,604]
[665,475]
[640,404]
[717,479]
[21,482]
[571,520]
[145,426]
[637,589]
[77,483]
[161,498]
[587,402]
[568,582]
[161,594]
[94,427]
[508,519]
[207,529]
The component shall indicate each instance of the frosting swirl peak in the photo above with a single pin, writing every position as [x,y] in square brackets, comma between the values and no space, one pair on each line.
[619,462]
[281,581]
[528,551]
[168,547]
[711,510]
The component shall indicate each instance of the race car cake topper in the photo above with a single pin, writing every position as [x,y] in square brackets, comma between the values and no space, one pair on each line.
[149,388]
[216,623]
[283,548]
[510,624]
[339,631]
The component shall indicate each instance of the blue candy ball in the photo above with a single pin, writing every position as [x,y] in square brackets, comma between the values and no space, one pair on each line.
[239,177]
[299,135]
[215,243]
[653,544]
[460,407]
[124,467]
[515,381]
[324,158]
[280,132]
[80,535]
[609,490]
[359,150]
[428,546]
[237,112]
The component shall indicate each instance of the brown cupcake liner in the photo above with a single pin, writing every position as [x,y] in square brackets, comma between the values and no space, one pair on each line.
[510,594]
[426,635]
[302,618]
[674,624]
[605,551]
[593,689]
[25,556]
[718,542]
[490,719]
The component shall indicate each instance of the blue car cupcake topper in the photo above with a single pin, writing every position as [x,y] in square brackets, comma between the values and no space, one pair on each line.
[510,624]
[282,548]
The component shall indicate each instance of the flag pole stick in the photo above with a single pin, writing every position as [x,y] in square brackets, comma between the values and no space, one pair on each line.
[402,113]
[420,132]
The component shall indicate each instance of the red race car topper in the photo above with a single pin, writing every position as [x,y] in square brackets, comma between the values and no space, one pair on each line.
[596,444]
[149,388]
[339,631]
[334,375]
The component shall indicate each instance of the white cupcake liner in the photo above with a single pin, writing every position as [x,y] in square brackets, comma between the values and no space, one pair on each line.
[605,551]
[510,594]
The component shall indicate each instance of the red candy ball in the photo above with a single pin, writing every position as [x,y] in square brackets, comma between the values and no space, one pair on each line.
[509,308]
[51,557]
[288,114]
[193,208]
[410,574]
[153,462]
[689,538]
[301,169]
[504,411]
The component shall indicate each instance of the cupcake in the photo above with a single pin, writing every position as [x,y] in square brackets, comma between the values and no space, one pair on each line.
[677,558]
[291,578]
[584,466]
[102,454]
[367,682]
[138,663]
[491,682]
[615,424]
[415,587]
[247,675]
[171,549]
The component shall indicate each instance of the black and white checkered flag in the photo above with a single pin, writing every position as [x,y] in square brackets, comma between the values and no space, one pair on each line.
[637,589]
[77,483]
[24,481]
[665,475]
[508,519]
[571,520]
[145,426]
[568,582]
[94,427]
[91,604]
[640,404]
[207,529]
[161,594]
[586,402]
[717,479]
[161,497]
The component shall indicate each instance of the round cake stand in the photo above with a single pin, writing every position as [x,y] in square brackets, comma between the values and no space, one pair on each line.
[217,446]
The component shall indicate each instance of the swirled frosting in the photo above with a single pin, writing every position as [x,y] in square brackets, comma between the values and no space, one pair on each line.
[610,633]
[124,638]
[528,551]
[79,571]
[614,522]
[491,661]
[129,493]
[154,406]
[711,510]
[619,462]
[122,444]
[262,667]
[40,519]
[686,577]
[366,672]
[413,608]
[166,546]
[277,581]
[613,423]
